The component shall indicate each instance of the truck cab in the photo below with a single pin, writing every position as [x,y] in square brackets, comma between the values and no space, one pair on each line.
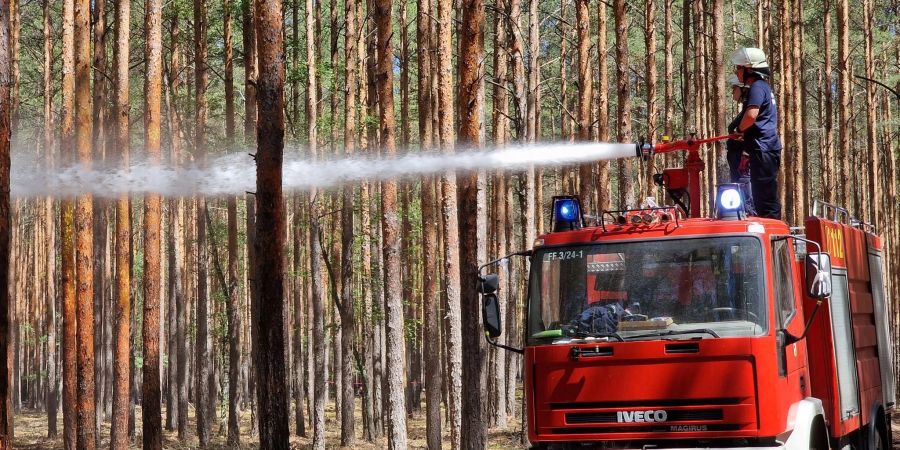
[651,330]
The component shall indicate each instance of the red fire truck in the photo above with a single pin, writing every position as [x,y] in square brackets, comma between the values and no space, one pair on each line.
[657,328]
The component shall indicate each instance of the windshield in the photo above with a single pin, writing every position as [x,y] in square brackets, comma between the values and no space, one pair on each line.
[672,289]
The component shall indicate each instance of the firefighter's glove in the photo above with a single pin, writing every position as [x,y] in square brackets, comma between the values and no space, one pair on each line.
[820,284]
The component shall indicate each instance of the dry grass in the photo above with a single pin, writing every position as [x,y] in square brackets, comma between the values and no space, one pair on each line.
[31,433]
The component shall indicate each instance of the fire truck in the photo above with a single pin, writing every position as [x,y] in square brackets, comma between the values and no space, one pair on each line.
[655,328]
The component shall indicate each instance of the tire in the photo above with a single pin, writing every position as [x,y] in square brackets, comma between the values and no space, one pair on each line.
[819,436]
[875,437]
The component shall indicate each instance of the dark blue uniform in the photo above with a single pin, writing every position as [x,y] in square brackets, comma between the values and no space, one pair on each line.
[735,156]
[764,147]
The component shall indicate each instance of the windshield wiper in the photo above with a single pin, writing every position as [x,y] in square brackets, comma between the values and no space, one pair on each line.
[585,334]
[675,332]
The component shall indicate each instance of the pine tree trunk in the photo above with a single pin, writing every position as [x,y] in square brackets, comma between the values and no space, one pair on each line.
[248,28]
[534,76]
[798,170]
[843,88]
[471,98]
[98,147]
[604,191]
[67,232]
[233,306]
[270,226]
[318,295]
[669,73]
[50,233]
[829,188]
[499,117]
[177,255]
[430,226]
[348,301]
[150,400]
[517,60]
[585,97]
[201,354]
[299,305]
[86,425]
[623,90]
[874,160]
[119,428]
[6,413]
[394,330]
[650,74]
[450,230]
[718,92]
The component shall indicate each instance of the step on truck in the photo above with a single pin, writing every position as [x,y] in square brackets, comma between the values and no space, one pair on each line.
[655,328]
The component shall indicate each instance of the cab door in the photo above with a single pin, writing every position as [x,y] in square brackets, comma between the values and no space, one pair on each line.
[792,383]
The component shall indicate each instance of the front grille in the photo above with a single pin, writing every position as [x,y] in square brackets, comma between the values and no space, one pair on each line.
[654,404]
[672,416]
[656,428]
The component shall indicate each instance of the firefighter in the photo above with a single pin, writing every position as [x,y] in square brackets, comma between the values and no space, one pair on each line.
[738,159]
[759,130]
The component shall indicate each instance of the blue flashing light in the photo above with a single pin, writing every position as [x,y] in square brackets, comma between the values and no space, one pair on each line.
[566,210]
[730,202]
[566,213]
[730,199]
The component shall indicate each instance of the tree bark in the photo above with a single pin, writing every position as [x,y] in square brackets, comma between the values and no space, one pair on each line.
[650,78]
[233,307]
[844,113]
[517,60]
[150,400]
[874,159]
[248,29]
[585,97]
[348,303]
[271,392]
[669,73]
[201,354]
[474,375]
[499,117]
[394,330]
[122,371]
[430,224]
[98,147]
[827,156]
[320,385]
[6,413]
[177,258]
[300,286]
[534,75]
[604,192]
[52,395]
[450,231]
[623,101]
[67,232]
[718,91]
[86,425]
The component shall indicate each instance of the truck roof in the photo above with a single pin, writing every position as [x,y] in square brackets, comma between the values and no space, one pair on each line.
[658,229]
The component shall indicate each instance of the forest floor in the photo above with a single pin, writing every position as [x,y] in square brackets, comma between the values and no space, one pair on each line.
[31,434]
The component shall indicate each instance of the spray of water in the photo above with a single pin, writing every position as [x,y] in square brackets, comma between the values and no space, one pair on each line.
[236,173]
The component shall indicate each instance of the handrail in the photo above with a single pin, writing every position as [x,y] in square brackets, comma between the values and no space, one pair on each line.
[838,213]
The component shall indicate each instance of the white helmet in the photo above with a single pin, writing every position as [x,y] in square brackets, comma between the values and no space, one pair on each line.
[733,81]
[751,57]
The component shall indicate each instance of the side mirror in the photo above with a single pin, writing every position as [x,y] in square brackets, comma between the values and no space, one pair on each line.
[488,284]
[490,314]
[818,275]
